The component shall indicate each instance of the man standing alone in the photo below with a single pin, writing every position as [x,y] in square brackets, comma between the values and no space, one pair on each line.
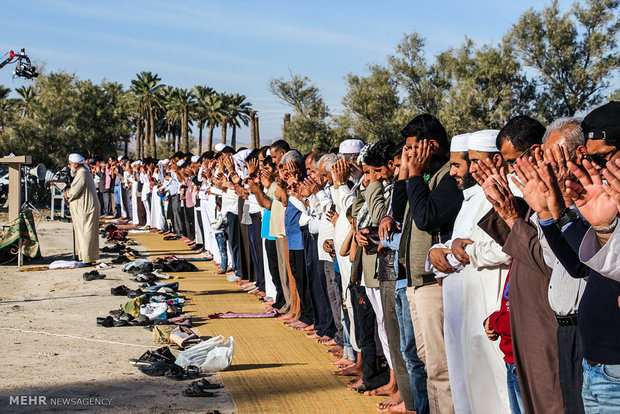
[84,207]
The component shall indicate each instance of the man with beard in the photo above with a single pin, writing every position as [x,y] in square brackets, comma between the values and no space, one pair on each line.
[84,207]
[449,271]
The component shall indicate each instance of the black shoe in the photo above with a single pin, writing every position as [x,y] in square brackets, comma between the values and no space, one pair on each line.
[134,293]
[121,290]
[106,322]
[92,275]
[156,369]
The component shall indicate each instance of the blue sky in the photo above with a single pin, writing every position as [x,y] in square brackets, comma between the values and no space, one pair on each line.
[238,46]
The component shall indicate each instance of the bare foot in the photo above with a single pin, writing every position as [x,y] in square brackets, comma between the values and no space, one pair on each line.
[312,335]
[299,326]
[398,408]
[353,370]
[343,361]
[310,328]
[387,389]
[329,342]
[390,402]
[334,349]
[354,384]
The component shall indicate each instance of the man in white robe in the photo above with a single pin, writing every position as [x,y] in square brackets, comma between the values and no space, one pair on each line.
[84,207]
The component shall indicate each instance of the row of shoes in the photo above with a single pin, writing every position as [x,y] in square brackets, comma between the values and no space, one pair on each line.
[123,319]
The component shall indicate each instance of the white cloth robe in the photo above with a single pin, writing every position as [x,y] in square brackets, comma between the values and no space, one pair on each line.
[452,289]
[134,200]
[483,284]
[84,207]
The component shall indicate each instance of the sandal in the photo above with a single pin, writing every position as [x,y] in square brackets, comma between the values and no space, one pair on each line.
[194,390]
[206,385]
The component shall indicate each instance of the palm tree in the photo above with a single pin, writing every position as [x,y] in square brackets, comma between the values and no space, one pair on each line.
[26,101]
[6,106]
[147,90]
[201,93]
[213,106]
[182,108]
[238,113]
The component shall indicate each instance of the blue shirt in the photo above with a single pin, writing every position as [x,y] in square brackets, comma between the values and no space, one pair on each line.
[291,228]
[264,228]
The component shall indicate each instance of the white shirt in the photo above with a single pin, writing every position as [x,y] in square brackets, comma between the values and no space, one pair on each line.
[603,260]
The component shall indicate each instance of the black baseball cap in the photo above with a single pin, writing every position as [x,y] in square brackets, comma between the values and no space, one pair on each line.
[603,123]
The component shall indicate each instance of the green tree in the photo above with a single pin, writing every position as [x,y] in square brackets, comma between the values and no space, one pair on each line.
[201,93]
[147,90]
[213,107]
[26,101]
[573,53]
[238,113]
[487,87]
[309,129]
[373,104]
[181,107]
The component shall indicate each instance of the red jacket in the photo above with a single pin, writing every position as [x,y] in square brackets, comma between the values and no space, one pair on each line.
[499,321]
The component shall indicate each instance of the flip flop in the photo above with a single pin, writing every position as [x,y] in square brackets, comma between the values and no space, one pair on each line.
[206,385]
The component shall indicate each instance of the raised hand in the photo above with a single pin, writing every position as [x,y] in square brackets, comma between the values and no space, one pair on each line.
[503,201]
[593,202]
[332,216]
[612,174]
[529,182]
[252,166]
[420,158]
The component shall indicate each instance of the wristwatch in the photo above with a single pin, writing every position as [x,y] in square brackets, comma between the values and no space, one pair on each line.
[567,216]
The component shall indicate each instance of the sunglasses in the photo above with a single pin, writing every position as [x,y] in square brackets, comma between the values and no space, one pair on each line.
[601,159]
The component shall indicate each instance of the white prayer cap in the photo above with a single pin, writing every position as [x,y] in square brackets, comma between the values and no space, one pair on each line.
[219,146]
[180,162]
[459,143]
[268,152]
[165,162]
[483,141]
[195,158]
[120,157]
[133,164]
[76,158]
[351,146]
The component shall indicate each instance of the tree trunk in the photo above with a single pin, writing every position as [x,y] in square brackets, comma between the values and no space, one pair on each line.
[152,143]
[200,127]
[233,137]
[210,147]
[138,138]
[184,133]
[287,121]
[224,124]
[148,149]
[257,133]
[252,129]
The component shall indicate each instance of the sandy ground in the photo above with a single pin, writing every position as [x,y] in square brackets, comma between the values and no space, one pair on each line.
[90,365]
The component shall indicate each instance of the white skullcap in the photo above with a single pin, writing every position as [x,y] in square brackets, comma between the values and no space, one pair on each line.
[180,162]
[165,162]
[120,157]
[268,154]
[351,146]
[219,146]
[459,143]
[195,158]
[483,141]
[76,158]
[133,164]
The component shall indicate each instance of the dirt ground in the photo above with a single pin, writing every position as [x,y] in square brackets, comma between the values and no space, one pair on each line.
[52,348]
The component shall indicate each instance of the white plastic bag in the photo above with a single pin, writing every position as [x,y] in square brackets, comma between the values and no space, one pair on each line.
[212,355]
[154,310]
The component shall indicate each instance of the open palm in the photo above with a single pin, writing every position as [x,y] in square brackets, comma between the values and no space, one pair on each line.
[594,204]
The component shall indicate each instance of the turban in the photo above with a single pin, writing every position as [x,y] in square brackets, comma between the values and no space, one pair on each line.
[195,158]
[165,162]
[351,146]
[219,146]
[483,141]
[76,158]
[459,143]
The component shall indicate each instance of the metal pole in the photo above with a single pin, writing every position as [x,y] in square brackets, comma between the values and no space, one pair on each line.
[73,231]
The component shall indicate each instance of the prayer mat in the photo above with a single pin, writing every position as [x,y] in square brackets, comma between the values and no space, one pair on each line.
[275,369]
[22,228]
[242,315]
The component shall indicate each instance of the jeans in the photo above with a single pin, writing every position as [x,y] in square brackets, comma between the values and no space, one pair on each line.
[601,388]
[117,200]
[514,390]
[233,236]
[221,244]
[415,367]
